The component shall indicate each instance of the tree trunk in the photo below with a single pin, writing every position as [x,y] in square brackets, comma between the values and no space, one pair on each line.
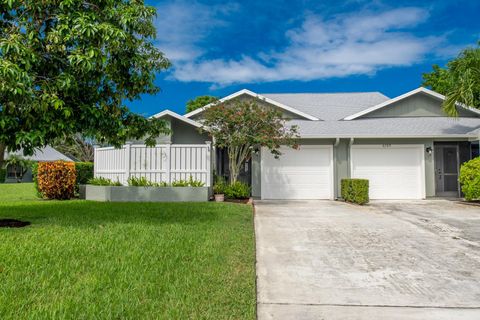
[236,158]
[2,155]
[232,165]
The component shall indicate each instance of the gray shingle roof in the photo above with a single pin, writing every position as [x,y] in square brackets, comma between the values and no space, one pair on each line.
[44,154]
[329,106]
[390,127]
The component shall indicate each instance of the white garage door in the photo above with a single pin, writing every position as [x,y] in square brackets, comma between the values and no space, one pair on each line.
[394,171]
[306,173]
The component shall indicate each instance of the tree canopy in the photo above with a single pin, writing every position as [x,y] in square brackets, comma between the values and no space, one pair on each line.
[199,102]
[244,126]
[459,81]
[68,66]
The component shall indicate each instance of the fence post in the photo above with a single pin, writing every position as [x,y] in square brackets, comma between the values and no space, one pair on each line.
[128,159]
[168,162]
[209,163]
[95,160]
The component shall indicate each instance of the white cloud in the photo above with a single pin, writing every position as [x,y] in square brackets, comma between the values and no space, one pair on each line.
[352,44]
[183,26]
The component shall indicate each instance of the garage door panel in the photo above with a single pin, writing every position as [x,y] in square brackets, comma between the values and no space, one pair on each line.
[306,173]
[394,172]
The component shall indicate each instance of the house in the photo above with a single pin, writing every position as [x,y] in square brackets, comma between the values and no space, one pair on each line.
[405,146]
[44,154]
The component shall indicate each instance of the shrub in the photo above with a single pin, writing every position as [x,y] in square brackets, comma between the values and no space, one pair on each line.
[34,168]
[237,190]
[188,183]
[139,182]
[219,186]
[355,190]
[84,172]
[195,183]
[470,179]
[56,180]
[3,174]
[180,183]
[100,181]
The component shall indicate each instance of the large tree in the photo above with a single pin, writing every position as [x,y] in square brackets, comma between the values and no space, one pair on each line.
[199,102]
[68,66]
[459,81]
[76,147]
[243,126]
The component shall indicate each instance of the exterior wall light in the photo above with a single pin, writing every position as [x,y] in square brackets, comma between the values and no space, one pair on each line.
[429,150]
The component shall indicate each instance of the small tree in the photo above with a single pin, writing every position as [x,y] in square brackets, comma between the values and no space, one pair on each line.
[242,127]
[20,166]
[199,102]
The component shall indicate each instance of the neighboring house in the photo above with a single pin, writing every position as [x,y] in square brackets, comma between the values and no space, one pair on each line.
[44,154]
[406,146]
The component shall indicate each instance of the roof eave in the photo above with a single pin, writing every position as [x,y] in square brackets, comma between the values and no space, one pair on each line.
[403,96]
[258,96]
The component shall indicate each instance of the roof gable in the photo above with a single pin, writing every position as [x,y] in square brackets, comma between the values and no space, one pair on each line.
[237,94]
[177,116]
[411,107]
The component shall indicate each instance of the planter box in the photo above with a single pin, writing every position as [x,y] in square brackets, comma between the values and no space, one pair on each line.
[146,194]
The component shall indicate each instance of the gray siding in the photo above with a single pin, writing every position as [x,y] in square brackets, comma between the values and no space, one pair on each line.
[184,133]
[419,105]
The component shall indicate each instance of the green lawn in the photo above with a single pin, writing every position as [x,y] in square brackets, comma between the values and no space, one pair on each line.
[87,260]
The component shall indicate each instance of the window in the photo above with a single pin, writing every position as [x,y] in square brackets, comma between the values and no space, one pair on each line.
[14,171]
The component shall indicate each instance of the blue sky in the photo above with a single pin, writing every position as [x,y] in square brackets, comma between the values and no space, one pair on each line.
[219,47]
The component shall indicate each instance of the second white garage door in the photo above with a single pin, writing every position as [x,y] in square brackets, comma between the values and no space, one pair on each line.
[394,171]
[306,173]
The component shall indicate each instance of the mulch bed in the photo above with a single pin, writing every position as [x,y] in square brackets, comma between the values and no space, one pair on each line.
[243,201]
[12,223]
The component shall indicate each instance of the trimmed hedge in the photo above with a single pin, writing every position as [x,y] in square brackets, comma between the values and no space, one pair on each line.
[470,179]
[84,172]
[355,190]
[56,180]
[3,175]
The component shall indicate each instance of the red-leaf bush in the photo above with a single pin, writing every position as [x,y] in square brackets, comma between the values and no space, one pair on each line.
[56,180]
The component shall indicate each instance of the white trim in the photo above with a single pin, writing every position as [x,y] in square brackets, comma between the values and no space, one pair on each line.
[316,146]
[177,116]
[421,148]
[254,95]
[403,96]
[347,136]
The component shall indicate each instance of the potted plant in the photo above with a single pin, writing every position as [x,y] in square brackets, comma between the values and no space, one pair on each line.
[219,190]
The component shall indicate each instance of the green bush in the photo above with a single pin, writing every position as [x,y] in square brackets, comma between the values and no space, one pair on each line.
[3,174]
[219,185]
[34,168]
[355,190]
[237,190]
[103,182]
[139,182]
[84,172]
[470,179]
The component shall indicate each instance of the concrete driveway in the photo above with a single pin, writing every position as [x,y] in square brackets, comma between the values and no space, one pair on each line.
[387,260]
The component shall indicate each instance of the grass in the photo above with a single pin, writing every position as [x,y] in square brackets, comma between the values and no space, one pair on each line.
[88,260]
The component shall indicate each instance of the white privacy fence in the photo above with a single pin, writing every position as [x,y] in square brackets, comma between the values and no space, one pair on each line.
[162,163]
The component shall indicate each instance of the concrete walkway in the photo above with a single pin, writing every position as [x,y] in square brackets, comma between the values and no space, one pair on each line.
[387,260]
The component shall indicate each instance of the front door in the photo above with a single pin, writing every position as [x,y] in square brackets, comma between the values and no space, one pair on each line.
[446,170]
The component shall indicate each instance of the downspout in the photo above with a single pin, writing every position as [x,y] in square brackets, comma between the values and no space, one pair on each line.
[335,170]
[349,158]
